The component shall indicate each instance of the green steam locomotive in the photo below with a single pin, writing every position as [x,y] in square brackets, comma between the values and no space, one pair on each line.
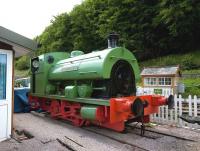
[95,88]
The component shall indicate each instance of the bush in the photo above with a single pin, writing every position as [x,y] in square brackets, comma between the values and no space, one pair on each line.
[192,86]
[189,61]
[23,63]
[192,91]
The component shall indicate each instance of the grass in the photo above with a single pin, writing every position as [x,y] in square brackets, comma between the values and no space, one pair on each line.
[191,82]
[192,87]
[196,71]
[187,62]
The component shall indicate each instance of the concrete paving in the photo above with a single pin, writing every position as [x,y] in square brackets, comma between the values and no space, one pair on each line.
[48,132]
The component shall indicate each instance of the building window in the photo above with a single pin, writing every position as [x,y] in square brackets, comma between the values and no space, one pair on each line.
[3,66]
[164,81]
[150,81]
[168,81]
[161,81]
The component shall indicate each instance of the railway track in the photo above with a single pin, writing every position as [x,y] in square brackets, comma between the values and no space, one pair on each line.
[160,133]
[116,139]
[92,130]
[132,136]
[152,135]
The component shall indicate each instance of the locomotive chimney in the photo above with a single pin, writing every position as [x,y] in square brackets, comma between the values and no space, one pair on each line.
[113,40]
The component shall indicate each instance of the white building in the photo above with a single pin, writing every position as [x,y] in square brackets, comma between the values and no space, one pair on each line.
[160,80]
[11,45]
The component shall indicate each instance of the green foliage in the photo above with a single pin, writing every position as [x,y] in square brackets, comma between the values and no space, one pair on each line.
[56,37]
[196,71]
[192,86]
[150,28]
[191,81]
[22,63]
[21,73]
[192,91]
[187,61]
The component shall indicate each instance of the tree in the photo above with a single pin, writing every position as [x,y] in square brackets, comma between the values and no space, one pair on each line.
[149,28]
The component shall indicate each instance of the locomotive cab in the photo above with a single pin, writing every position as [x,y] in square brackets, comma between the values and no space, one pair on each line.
[40,68]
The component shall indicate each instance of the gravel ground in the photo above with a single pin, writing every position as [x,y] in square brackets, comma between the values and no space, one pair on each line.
[46,132]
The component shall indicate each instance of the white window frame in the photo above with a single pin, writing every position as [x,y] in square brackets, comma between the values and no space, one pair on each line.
[164,81]
[155,81]
[150,81]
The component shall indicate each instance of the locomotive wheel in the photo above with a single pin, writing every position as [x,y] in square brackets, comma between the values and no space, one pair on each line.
[122,80]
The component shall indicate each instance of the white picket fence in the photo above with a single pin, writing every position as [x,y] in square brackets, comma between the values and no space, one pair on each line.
[189,106]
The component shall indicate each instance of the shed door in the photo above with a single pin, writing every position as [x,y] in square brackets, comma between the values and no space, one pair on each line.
[5,93]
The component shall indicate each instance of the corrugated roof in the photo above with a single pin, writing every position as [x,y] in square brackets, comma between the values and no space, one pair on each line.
[168,70]
[17,39]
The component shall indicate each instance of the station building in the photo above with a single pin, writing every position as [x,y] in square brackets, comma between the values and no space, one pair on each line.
[11,45]
[161,80]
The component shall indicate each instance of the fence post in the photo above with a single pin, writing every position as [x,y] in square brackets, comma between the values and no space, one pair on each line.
[171,116]
[189,100]
[159,114]
[195,106]
[180,109]
[155,118]
[166,114]
[163,113]
[175,107]
[190,105]
[195,111]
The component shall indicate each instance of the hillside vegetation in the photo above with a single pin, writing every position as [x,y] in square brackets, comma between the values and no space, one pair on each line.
[158,32]
[149,28]
[192,87]
[21,73]
[189,62]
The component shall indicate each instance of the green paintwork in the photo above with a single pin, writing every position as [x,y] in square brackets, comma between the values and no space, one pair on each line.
[72,77]
[76,53]
[71,91]
[88,112]
[84,91]
[95,65]
[157,91]
[50,89]
[104,102]
[42,85]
